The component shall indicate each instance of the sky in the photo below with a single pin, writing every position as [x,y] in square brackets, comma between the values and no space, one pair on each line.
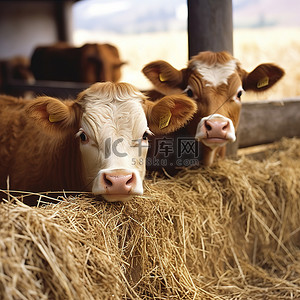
[135,16]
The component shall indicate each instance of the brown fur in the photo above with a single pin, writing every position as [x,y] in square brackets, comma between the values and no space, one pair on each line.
[212,58]
[33,159]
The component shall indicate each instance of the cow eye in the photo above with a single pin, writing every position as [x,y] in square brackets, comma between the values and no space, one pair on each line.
[145,136]
[239,94]
[84,138]
[190,93]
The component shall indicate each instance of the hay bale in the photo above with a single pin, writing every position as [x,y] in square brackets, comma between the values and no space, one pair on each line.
[229,231]
[59,252]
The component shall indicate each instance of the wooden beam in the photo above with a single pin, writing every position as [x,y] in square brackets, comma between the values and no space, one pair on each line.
[264,122]
[210,26]
[60,89]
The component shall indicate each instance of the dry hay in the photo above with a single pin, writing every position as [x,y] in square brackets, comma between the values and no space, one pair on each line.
[231,231]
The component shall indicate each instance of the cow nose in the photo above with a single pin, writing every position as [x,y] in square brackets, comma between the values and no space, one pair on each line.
[118,184]
[217,128]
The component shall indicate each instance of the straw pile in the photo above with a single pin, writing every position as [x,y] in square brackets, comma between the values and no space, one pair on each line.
[231,231]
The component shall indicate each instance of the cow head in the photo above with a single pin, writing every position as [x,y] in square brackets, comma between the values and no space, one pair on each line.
[101,62]
[216,81]
[111,123]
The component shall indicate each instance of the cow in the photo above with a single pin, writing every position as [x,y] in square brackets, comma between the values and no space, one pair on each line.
[96,143]
[15,71]
[89,63]
[17,67]
[216,81]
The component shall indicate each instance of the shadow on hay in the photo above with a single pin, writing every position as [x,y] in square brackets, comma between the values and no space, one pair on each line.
[229,231]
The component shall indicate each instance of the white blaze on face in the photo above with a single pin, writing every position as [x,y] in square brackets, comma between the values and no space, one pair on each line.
[114,152]
[217,74]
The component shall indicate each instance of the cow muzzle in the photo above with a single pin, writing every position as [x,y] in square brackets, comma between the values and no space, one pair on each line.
[118,184]
[215,131]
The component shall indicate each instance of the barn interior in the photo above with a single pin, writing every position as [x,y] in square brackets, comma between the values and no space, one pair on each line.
[226,232]
[25,25]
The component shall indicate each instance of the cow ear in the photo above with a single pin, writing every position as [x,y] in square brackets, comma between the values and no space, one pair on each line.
[118,64]
[169,113]
[52,113]
[261,78]
[165,78]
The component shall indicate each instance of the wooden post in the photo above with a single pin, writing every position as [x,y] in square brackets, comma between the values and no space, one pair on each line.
[210,26]
[63,16]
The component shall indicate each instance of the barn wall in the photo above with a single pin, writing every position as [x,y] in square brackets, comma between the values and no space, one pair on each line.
[25,24]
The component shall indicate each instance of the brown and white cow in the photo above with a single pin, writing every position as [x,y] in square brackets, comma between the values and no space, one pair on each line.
[97,143]
[89,63]
[216,81]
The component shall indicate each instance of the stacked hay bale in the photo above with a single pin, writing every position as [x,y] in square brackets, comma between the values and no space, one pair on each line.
[229,231]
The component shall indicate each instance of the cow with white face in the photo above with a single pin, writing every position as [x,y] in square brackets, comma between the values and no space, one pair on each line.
[216,81]
[97,143]
[114,140]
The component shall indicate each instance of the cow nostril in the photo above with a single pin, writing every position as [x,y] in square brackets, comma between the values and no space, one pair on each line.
[207,126]
[107,181]
[225,127]
[129,181]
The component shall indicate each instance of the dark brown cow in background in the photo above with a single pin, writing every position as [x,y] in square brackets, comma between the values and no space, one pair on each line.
[90,63]
[216,81]
[17,67]
[16,71]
